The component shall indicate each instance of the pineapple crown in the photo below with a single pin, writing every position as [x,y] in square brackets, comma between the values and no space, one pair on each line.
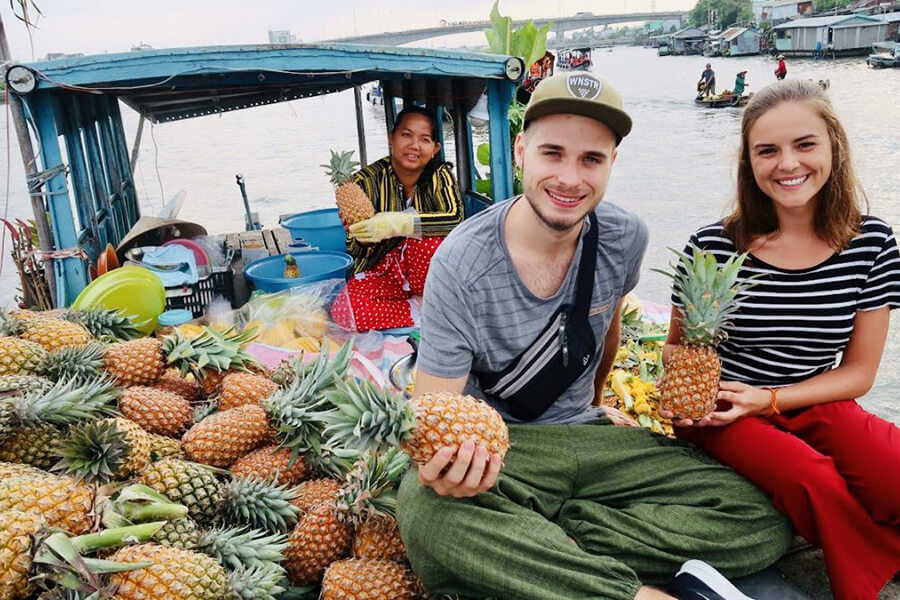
[340,167]
[262,582]
[365,416]
[103,324]
[707,292]
[259,504]
[95,452]
[211,350]
[370,488]
[237,547]
[66,402]
[9,325]
[81,363]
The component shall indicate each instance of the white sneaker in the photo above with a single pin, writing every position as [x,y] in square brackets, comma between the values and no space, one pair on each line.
[697,580]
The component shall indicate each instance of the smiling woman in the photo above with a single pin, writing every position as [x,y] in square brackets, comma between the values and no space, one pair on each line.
[417,203]
[824,277]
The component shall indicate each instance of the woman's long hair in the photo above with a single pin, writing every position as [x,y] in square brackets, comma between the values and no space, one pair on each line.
[838,206]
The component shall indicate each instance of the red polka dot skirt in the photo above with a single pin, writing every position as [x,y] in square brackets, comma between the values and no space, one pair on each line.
[379,298]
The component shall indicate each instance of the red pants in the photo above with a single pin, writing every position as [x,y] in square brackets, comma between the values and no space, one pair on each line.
[834,469]
[379,298]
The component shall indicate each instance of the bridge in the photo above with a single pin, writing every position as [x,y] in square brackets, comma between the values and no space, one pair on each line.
[560,26]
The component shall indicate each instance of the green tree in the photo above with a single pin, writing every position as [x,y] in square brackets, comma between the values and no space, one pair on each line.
[723,12]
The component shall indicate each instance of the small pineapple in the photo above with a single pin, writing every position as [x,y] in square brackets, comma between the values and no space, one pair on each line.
[238,389]
[52,334]
[184,386]
[271,463]
[174,574]
[156,411]
[162,447]
[291,270]
[708,294]
[314,492]
[180,533]
[369,579]
[223,437]
[61,501]
[368,417]
[351,200]
[378,537]
[187,483]
[20,357]
[18,531]
[324,533]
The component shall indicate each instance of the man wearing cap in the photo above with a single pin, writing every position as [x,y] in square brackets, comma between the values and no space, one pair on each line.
[522,308]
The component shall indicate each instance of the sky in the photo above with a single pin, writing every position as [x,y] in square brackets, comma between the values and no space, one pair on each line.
[97,26]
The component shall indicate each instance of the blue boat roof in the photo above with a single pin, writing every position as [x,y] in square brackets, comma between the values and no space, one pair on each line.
[179,83]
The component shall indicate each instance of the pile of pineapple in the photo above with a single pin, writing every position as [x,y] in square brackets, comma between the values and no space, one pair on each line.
[631,385]
[179,468]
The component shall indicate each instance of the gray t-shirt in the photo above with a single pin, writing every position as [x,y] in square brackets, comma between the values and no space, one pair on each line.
[478,315]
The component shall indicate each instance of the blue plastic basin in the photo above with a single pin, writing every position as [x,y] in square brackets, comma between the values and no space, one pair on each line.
[320,228]
[267,274]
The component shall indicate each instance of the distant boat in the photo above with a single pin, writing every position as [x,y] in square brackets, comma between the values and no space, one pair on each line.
[576,59]
[722,101]
[885,54]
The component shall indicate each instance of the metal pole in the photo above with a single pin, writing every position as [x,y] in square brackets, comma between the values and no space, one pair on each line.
[28,161]
[136,149]
[360,127]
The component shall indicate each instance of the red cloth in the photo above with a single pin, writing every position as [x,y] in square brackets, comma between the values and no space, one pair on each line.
[834,469]
[379,297]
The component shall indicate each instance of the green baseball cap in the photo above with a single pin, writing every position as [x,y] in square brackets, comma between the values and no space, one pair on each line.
[580,93]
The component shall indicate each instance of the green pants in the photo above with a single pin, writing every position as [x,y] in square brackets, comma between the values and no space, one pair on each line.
[588,511]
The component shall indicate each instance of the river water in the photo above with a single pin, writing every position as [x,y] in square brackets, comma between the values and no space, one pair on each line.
[676,169]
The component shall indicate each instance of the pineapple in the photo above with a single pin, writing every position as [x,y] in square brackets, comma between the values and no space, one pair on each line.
[378,537]
[271,463]
[352,202]
[316,491]
[165,447]
[28,423]
[24,384]
[291,270]
[179,533]
[187,483]
[367,417]
[143,361]
[18,531]
[175,574]
[20,357]
[237,389]
[29,552]
[156,411]
[324,533]
[61,501]
[172,381]
[369,579]
[105,451]
[223,437]
[708,294]
[52,334]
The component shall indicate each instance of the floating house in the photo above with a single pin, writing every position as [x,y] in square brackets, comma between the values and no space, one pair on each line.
[737,41]
[839,35]
[689,40]
[779,11]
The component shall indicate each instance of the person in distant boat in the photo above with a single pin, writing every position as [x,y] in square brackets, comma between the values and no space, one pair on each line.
[417,203]
[781,69]
[740,83]
[523,309]
[707,83]
[807,338]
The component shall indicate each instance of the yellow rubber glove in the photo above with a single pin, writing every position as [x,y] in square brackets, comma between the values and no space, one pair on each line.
[385,225]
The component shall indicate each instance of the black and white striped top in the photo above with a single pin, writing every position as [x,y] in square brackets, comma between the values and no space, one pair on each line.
[793,323]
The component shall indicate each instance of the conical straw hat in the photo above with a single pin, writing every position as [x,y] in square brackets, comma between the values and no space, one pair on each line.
[153,231]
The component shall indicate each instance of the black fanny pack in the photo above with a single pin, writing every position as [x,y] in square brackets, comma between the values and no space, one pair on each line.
[536,378]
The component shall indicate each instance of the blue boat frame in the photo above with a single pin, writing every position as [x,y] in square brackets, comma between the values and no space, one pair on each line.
[73,112]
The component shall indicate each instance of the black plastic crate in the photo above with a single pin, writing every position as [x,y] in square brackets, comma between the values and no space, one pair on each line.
[195,297]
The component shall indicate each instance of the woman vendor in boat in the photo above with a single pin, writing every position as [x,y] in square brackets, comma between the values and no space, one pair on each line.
[740,83]
[807,338]
[417,203]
